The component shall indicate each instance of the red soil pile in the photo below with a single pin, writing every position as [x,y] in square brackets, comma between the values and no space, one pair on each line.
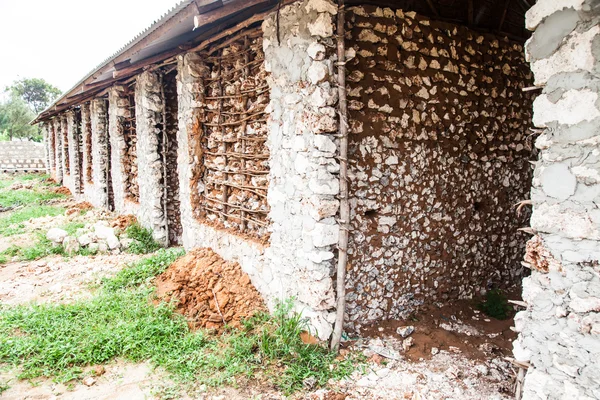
[123,221]
[209,290]
[82,206]
[62,190]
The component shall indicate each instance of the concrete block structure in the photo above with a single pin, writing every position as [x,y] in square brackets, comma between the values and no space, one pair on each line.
[244,136]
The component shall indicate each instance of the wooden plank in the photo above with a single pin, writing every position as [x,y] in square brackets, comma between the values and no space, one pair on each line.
[503,15]
[204,6]
[433,9]
[470,12]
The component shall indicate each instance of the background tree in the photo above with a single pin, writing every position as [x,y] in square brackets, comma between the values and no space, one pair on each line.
[15,116]
[37,93]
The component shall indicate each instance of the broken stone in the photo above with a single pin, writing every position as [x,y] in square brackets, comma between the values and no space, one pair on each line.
[405,331]
[56,235]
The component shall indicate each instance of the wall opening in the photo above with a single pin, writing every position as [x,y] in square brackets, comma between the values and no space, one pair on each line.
[229,188]
[438,155]
[129,158]
[170,147]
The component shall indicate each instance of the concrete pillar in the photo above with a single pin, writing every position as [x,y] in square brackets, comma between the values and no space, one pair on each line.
[118,111]
[99,117]
[149,105]
[303,181]
[559,332]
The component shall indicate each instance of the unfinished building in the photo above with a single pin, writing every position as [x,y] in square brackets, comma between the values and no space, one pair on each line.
[394,170]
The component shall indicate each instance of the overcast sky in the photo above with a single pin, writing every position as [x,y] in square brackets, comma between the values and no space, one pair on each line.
[63,40]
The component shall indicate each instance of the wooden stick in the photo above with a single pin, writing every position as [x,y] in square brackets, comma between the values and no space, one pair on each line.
[218,308]
[344,206]
[530,88]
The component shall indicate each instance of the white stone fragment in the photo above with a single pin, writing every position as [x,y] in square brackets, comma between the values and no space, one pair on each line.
[325,235]
[316,51]
[324,144]
[321,6]
[322,26]
[317,72]
[573,107]
[544,8]
[558,181]
[56,235]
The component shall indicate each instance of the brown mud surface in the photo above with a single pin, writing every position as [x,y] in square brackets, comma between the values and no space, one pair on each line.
[458,327]
[209,291]
[62,190]
[123,221]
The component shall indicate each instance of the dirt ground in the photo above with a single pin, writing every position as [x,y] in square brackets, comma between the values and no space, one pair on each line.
[456,351]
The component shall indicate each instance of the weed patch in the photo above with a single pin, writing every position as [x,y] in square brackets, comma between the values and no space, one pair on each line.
[13,223]
[42,248]
[495,305]
[143,241]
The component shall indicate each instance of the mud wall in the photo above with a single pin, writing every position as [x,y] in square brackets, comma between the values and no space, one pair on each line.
[438,156]
[230,183]
[172,179]
[123,150]
[559,331]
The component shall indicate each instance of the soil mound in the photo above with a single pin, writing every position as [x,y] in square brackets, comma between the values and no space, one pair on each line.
[209,290]
[78,207]
[62,190]
[123,221]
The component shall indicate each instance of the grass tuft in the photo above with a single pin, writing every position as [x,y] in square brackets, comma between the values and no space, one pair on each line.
[495,305]
[143,243]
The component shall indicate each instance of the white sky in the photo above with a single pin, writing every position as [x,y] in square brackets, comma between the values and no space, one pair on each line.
[62,40]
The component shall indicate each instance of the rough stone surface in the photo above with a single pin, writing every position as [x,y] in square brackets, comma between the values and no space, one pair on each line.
[100,162]
[123,150]
[438,156]
[149,101]
[303,176]
[559,330]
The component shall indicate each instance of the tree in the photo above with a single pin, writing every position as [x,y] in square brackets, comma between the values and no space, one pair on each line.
[37,93]
[15,116]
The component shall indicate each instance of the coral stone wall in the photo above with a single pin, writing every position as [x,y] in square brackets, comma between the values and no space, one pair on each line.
[86,134]
[56,132]
[73,118]
[149,111]
[559,331]
[99,193]
[123,150]
[438,157]
[170,158]
[299,55]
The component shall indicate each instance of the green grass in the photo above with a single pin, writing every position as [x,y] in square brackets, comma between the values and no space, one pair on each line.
[121,321]
[495,305]
[142,271]
[42,247]
[31,202]
[143,243]
[13,223]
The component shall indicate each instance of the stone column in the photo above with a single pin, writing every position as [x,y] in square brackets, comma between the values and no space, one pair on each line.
[303,177]
[99,116]
[58,148]
[559,332]
[46,138]
[118,110]
[149,104]
[73,135]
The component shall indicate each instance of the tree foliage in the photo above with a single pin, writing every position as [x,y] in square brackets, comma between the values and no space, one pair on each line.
[36,92]
[15,116]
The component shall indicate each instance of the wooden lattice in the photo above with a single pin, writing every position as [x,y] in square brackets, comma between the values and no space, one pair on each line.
[234,133]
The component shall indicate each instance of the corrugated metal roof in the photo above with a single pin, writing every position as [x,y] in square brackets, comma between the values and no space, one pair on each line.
[156,24]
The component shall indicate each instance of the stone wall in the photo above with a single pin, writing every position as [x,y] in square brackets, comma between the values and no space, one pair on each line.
[22,156]
[86,134]
[302,145]
[438,156]
[559,332]
[55,122]
[122,146]
[73,119]
[149,103]
[99,192]
[170,158]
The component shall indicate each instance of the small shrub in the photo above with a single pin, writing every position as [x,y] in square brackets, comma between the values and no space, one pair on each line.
[143,241]
[495,305]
